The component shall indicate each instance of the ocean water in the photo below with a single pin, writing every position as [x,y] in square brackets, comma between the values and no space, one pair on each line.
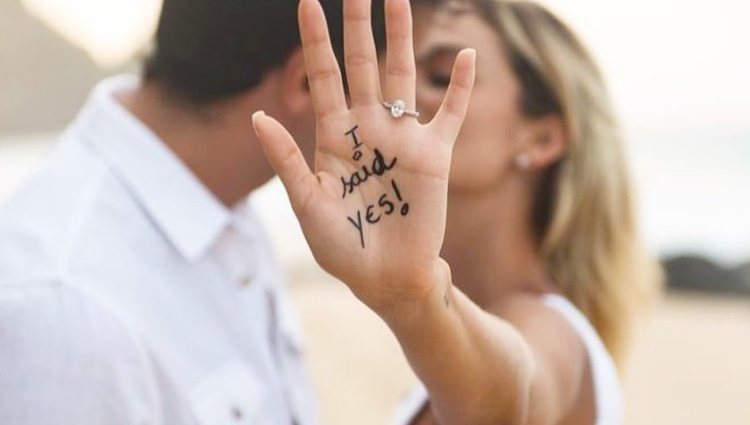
[694,193]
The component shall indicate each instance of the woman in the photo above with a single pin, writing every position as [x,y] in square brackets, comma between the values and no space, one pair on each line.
[539,189]
[538,226]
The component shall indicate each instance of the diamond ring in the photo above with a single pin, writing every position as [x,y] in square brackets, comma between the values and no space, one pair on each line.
[398,109]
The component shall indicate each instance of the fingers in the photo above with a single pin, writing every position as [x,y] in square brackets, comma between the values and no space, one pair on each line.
[285,158]
[360,54]
[320,62]
[451,114]
[401,71]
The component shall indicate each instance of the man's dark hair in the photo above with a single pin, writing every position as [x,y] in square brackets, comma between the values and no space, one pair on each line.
[210,50]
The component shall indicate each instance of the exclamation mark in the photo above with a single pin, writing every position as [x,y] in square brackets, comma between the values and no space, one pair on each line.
[405,206]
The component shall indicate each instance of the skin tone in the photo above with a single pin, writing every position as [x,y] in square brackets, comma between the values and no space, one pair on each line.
[490,202]
[485,356]
[217,142]
[488,351]
[490,197]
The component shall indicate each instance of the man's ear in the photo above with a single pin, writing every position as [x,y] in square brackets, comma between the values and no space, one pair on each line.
[295,92]
[548,141]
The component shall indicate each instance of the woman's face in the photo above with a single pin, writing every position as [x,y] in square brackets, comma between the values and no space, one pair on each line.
[487,143]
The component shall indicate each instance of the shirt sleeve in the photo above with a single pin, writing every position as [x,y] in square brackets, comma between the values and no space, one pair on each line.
[64,359]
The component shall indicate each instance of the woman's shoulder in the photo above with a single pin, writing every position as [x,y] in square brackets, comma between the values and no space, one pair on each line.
[560,333]
[537,311]
[607,386]
[549,332]
[567,343]
[538,317]
[553,324]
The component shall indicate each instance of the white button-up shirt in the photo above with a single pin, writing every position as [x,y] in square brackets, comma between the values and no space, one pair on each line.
[130,295]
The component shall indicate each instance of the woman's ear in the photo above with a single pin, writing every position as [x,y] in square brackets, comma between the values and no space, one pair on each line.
[548,143]
[295,92]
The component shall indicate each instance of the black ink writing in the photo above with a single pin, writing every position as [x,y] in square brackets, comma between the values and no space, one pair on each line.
[371,214]
[387,205]
[358,225]
[378,167]
[405,206]
[374,213]
[357,144]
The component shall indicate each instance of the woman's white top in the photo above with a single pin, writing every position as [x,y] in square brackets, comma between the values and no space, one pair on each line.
[607,394]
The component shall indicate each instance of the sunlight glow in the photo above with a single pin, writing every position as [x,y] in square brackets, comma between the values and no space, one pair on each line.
[109,31]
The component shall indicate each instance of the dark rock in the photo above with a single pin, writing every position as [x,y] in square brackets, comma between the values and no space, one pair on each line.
[697,273]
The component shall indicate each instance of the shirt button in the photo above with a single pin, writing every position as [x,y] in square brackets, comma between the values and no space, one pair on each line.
[236,413]
[245,280]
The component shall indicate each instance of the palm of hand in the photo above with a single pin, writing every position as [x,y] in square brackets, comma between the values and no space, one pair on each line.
[382,203]
[374,211]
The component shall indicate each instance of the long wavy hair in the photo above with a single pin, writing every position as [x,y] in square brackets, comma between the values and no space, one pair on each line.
[583,215]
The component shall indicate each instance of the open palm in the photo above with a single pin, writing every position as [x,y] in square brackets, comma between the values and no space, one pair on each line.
[373,212]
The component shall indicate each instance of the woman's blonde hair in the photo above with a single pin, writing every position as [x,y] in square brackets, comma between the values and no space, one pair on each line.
[584,215]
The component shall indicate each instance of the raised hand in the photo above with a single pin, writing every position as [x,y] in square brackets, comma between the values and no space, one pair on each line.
[373,211]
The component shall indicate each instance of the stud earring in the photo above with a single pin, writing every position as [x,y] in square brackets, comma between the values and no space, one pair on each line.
[523,162]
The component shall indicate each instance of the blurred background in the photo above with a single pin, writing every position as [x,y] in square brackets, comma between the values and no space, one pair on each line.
[678,70]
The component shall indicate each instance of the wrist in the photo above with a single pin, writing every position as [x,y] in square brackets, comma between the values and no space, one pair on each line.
[432,291]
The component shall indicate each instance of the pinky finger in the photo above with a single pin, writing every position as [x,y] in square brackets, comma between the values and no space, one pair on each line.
[285,158]
[451,114]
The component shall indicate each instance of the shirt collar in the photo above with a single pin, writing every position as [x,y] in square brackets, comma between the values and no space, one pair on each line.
[185,211]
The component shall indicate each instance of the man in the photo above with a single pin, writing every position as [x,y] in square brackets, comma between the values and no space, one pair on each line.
[136,286]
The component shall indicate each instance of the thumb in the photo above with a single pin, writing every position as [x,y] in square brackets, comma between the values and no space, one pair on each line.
[285,158]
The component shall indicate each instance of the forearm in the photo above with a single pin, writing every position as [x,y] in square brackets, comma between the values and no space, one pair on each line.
[476,367]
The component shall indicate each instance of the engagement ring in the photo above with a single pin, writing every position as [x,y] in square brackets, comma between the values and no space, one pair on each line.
[398,109]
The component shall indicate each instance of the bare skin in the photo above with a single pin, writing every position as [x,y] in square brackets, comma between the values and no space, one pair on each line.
[490,199]
[498,355]
[489,202]
[217,142]
[521,357]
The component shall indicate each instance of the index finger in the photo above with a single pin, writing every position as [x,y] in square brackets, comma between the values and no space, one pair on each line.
[323,71]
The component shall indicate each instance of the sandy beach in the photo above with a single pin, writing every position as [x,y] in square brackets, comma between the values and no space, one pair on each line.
[680,89]
[689,364]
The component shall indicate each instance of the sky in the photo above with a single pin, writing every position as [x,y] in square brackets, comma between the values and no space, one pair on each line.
[678,72]
[670,62]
